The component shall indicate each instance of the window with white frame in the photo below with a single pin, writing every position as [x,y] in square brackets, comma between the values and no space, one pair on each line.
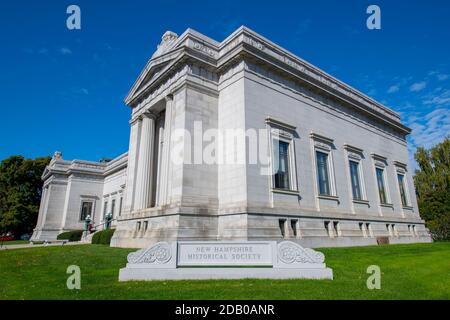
[355,156]
[281,164]
[402,189]
[354,179]
[402,183]
[105,208]
[381,185]
[324,165]
[120,205]
[86,209]
[284,176]
[323,173]
[380,176]
[113,207]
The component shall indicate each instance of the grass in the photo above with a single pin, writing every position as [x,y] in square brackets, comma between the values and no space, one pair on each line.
[8,243]
[413,271]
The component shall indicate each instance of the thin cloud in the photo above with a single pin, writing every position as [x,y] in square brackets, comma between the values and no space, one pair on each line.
[442,77]
[442,99]
[428,130]
[393,89]
[418,86]
[65,50]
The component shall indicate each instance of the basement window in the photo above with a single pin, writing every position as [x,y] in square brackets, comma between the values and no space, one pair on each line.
[282,223]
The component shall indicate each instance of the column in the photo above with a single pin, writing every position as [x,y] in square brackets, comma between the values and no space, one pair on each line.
[133,153]
[165,158]
[142,199]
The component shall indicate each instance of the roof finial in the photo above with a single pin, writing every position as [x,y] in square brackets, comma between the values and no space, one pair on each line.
[166,43]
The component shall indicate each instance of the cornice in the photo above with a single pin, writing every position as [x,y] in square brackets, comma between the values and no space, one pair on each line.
[98,169]
[245,42]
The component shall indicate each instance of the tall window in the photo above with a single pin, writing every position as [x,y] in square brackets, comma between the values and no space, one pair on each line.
[281,165]
[113,206]
[401,186]
[323,173]
[105,208]
[354,176]
[381,185]
[86,209]
[120,205]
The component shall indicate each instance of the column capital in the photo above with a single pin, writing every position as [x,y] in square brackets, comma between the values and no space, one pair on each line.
[134,120]
[148,114]
[169,97]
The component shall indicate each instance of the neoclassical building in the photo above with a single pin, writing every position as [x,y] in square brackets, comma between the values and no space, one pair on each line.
[336,174]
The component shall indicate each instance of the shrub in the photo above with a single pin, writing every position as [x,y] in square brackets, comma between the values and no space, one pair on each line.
[74,235]
[103,237]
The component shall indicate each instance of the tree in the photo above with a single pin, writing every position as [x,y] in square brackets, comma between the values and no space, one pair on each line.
[432,182]
[20,193]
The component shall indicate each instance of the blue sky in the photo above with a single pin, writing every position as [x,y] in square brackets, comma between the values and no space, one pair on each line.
[64,90]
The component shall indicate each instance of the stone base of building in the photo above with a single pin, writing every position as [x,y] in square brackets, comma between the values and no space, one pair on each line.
[41,235]
[140,231]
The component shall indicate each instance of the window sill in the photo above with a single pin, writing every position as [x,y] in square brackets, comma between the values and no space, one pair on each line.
[408,207]
[322,196]
[387,205]
[285,191]
[360,201]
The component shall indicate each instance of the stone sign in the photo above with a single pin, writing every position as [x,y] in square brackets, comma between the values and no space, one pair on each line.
[224,253]
[225,260]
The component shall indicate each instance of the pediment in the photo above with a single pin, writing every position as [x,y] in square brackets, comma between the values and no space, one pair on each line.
[161,59]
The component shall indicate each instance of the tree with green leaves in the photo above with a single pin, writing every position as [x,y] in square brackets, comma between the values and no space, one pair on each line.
[432,182]
[20,193]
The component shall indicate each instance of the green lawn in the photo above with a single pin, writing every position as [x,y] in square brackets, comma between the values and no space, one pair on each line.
[418,271]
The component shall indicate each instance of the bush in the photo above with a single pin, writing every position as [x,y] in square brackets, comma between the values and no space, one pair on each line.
[103,237]
[74,235]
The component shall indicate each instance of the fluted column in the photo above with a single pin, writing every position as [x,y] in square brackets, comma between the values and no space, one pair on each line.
[144,177]
[163,192]
[133,154]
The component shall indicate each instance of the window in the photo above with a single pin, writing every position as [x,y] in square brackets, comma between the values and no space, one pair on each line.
[369,230]
[120,205]
[105,208]
[326,224]
[323,173]
[113,207]
[389,229]
[337,228]
[362,228]
[401,186]
[282,223]
[281,164]
[381,185]
[354,177]
[145,226]
[282,159]
[86,209]
[294,226]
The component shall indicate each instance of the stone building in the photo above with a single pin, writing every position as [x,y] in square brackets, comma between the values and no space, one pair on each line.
[336,174]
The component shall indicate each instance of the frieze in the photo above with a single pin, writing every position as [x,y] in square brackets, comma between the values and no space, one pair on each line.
[205,49]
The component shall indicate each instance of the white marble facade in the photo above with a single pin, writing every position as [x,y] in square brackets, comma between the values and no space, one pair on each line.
[331,133]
